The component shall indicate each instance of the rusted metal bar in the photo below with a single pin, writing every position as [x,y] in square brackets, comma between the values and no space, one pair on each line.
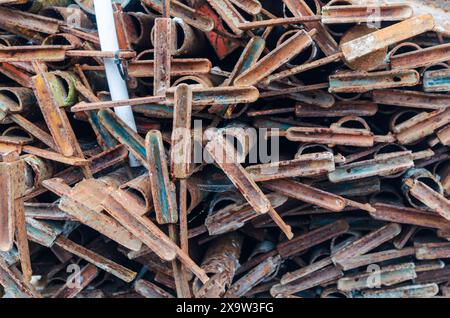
[12,190]
[180,168]
[388,276]
[336,135]
[336,14]
[145,231]
[349,82]
[104,139]
[51,53]
[312,195]
[422,57]
[91,37]
[255,276]
[13,1]
[222,40]
[165,280]
[234,216]
[87,274]
[228,13]
[421,7]
[74,206]
[33,130]
[404,237]
[392,213]
[304,242]
[202,97]
[432,199]
[45,211]
[269,112]
[12,174]
[10,137]
[250,6]
[17,75]
[411,291]
[331,77]
[340,109]
[248,58]
[54,156]
[149,234]
[104,54]
[33,53]
[366,243]
[83,106]
[377,257]
[162,56]
[305,271]
[434,276]
[401,31]
[99,162]
[302,68]
[322,276]
[272,61]
[303,166]
[422,125]
[184,236]
[178,67]
[150,290]
[180,154]
[96,259]
[245,26]
[430,251]
[382,165]
[120,24]
[224,155]
[444,135]
[182,11]
[22,240]
[221,261]
[56,119]
[50,236]
[324,39]
[27,24]
[411,99]
[310,94]
[180,275]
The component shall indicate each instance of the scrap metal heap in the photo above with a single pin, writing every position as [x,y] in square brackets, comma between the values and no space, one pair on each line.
[350,97]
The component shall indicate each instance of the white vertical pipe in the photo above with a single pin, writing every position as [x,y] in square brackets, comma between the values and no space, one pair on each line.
[104,16]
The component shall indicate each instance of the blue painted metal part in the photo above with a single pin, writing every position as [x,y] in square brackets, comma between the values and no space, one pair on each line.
[249,57]
[254,52]
[382,166]
[356,82]
[42,232]
[105,137]
[437,81]
[155,111]
[163,191]
[120,131]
